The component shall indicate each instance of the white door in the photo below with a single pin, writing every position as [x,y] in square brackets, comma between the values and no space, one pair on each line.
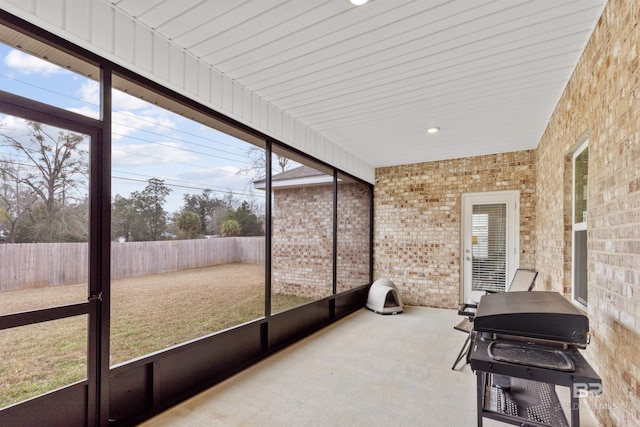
[490,228]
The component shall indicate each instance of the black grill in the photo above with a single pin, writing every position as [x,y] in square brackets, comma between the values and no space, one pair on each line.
[526,343]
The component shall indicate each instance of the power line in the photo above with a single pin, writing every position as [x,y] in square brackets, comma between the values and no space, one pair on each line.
[161,159]
[64,95]
[191,184]
[164,160]
[201,187]
[186,149]
[195,135]
[186,184]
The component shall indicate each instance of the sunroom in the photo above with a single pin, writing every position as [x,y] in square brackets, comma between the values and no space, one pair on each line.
[150,251]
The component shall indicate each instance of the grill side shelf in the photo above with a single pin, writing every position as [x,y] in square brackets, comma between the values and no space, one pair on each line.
[480,360]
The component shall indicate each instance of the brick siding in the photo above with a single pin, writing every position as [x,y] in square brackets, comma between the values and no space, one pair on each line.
[602,100]
[303,239]
[417,220]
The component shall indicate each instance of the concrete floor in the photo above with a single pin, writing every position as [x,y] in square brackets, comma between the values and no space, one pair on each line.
[364,370]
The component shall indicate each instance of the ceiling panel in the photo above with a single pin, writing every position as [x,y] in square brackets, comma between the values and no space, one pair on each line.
[155,14]
[262,42]
[372,78]
[316,40]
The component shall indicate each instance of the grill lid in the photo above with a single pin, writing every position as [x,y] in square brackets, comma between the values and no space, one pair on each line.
[540,315]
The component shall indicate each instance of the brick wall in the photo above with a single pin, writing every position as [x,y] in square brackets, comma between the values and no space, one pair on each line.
[417,220]
[303,239]
[354,226]
[602,100]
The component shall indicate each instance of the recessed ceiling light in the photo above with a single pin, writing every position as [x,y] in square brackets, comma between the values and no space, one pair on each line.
[433,129]
[358,2]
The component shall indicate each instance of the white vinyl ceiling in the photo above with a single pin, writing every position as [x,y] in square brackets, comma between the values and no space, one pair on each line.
[373,78]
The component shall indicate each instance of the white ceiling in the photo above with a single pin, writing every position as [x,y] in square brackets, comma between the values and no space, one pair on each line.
[372,78]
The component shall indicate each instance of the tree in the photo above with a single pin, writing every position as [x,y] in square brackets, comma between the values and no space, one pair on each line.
[231,228]
[123,218]
[189,223]
[258,164]
[73,225]
[250,224]
[4,234]
[209,209]
[70,224]
[59,166]
[149,208]
[15,200]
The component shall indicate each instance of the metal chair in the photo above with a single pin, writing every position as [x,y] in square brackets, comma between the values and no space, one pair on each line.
[523,280]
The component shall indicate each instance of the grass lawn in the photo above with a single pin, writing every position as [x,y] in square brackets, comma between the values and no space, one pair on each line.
[148,313]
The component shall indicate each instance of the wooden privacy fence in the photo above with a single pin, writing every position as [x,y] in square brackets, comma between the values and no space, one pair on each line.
[48,264]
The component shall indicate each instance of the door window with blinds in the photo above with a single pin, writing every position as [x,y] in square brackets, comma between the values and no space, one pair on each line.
[488,246]
[489,241]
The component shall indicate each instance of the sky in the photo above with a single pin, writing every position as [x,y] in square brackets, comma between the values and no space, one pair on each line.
[147,141]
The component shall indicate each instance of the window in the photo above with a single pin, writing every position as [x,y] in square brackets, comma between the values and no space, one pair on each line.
[353,233]
[302,237]
[33,70]
[45,221]
[186,225]
[41,357]
[579,224]
[488,243]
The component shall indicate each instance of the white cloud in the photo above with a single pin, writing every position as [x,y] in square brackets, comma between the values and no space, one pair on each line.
[220,177]
[124,155]
[222,172]
[166,122]
[130,114]
[12,124]
[124,101]
[126,123]
[86,111]
[28,64]
[90,92]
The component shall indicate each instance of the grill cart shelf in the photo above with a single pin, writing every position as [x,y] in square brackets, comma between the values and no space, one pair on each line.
[531,398]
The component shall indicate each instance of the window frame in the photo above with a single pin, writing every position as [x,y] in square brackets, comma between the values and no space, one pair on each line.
[578,227]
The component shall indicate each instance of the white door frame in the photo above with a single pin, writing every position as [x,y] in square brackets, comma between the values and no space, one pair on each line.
[512,199]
